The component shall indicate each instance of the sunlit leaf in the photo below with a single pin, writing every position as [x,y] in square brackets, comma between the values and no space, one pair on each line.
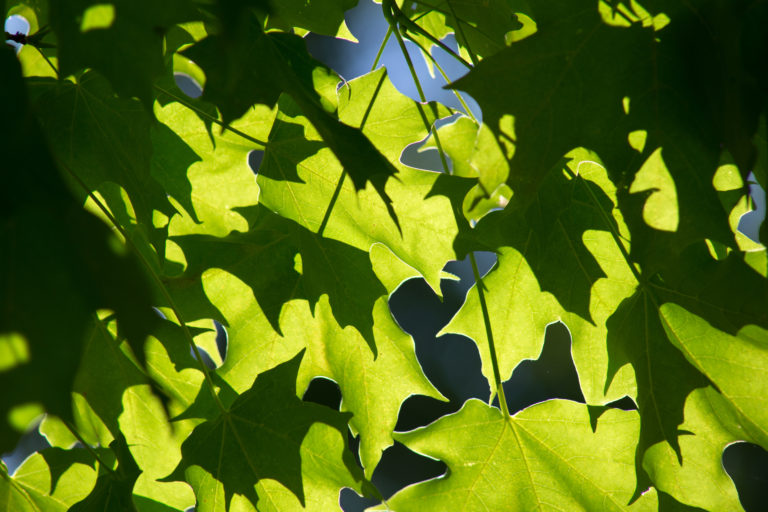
[545,458]
[232,63]
[299,178]
[42,484]
[260,435]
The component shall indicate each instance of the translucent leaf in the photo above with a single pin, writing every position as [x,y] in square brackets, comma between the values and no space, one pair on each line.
[734,364]
[559,260]
[236,81]
[116,132]
[260,436]
[700,480]
[546,457]
[582,82]
[299,178]
[42,486]
[482,27]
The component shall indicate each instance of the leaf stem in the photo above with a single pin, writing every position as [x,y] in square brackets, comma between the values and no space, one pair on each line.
[381,48]
[489,334]
[159,282]
[447,80]
[478,279]
[45,57]
[423,98]
[87,446]
[342,177]
[394,15]
[208,116]
[331,203]
[439,145]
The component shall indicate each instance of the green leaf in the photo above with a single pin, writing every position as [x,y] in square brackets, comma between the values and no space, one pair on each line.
[260,435]
[638,334]
[118,395]
[40,485]
[729,293]
[617,139]
[326,463]
[60,264]
[114,486]
[734,364]
[219,177]
[730,38]
[233,63]
[563,80]
[281,261]
[558,260]
[171,364]
[482,27]
[546,457]
[581,81]
[565,208]
[94,34]
[475,153]
[86,114]
[320,16]
[371,388]
[700,480]
[105,374]
[301,180]
[664,378]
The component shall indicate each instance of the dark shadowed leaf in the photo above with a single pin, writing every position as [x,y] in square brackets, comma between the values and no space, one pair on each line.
[59,264]
[97,35]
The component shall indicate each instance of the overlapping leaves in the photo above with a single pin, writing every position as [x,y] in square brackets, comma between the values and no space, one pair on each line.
[259,437]
[610,130]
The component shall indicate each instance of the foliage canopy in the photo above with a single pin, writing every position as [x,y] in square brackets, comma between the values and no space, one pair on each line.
[608,173]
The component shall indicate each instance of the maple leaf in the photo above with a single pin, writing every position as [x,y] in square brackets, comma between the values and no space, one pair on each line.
[114,487]
[87,112]
[482,27]
[56,258]
[583,281]
[260,435]
[302,181]
[274,243]
[94,34]
[529,461]
[54,480]
[565,97]
[321,17]
[619,133]
[232,63]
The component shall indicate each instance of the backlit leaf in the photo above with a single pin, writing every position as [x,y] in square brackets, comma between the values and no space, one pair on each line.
[260,436]
[545,458]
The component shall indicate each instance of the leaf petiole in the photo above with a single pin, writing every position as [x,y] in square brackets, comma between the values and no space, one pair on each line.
[88,447]
[489,334]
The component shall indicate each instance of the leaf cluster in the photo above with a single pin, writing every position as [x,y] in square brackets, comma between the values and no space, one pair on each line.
[608,173]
